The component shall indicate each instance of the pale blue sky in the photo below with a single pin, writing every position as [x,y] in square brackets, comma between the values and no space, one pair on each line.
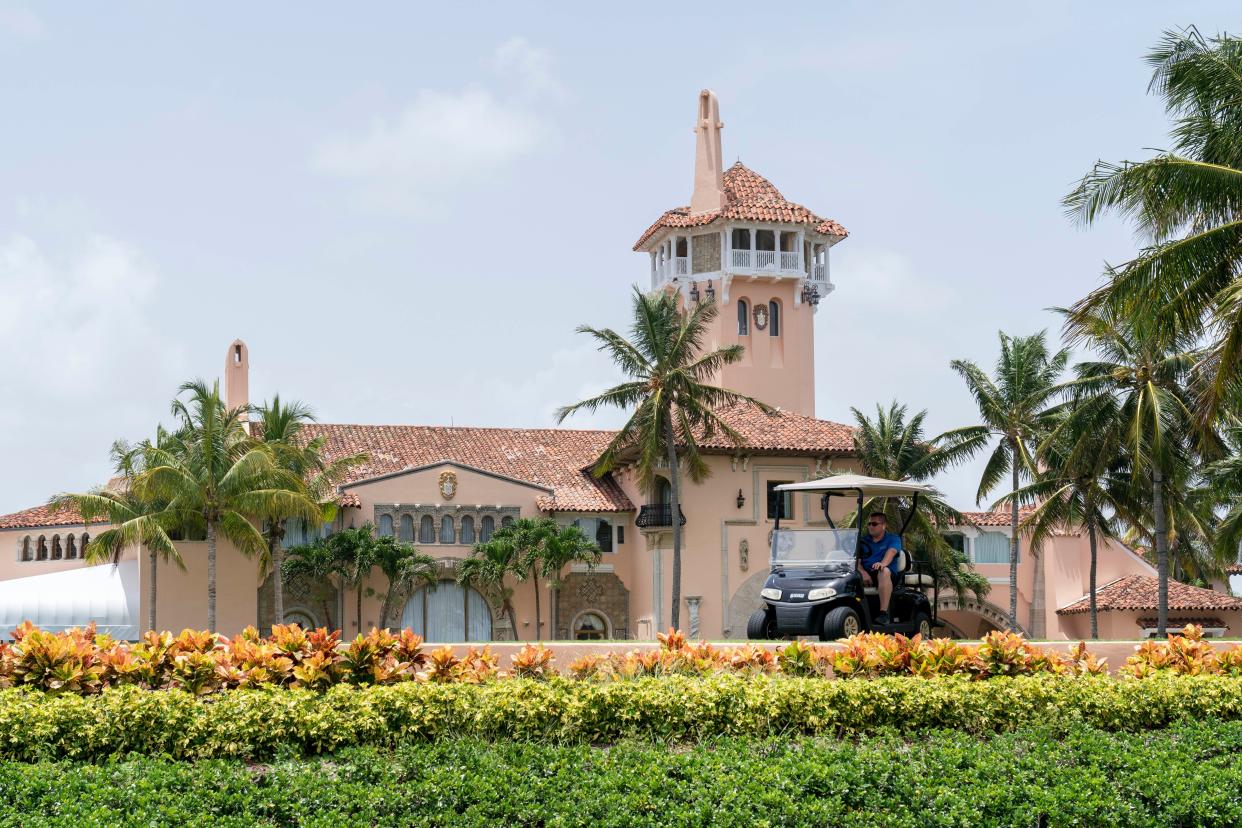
[309,178]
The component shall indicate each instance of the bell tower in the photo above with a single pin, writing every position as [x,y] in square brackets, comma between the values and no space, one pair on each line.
[762,258]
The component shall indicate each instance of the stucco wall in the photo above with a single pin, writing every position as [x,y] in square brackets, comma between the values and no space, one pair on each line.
[780,370]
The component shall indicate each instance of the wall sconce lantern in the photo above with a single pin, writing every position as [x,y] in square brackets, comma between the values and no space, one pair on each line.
[694,292]
[711,292]
[741,499]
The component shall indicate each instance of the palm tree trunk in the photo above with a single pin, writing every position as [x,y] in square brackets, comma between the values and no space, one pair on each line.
[555,611]
[1095,624]
[152,557]
[675,518]
[512,618]
[278,581]
[1013,542]
[211,575]
[1161,530]
[358,600]
[535,575]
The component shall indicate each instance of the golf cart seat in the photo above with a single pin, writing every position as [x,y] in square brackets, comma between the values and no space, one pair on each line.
[904,576]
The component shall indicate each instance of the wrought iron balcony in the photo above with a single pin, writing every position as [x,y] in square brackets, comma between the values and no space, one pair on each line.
[657,515]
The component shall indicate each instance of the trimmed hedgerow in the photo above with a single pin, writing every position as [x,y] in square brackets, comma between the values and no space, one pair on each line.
[260,722]
[1185,776]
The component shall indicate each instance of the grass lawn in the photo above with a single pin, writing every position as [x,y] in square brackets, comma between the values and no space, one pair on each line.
[1187,775]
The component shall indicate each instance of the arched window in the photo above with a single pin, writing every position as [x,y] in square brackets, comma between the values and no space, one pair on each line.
[743,318]
[426,529]
[467,529]
[27,551]
[71,547]
[385,526]
[86,539]
[407,528]
[663,491]
[603,535]
[506,521]
[448,531]
[590,626]
[57,554]
[448,612]
[486,526]
[774,318]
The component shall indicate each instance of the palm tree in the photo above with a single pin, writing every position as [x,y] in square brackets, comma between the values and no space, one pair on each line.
[1225,478]
[487,569]
[135,520]
[1082,482]
[521,544]
[318,563]
[405,567]
[1012,408]
[562,546]
[672,396]
[280,428]
[1141,374]
[356,552]
[895,448]
[218,478]
[1187,204]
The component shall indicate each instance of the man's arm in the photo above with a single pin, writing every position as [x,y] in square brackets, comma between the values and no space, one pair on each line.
[889,554]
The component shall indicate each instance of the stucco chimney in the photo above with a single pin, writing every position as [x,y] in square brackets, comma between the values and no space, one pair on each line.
[708,170]
[237,375]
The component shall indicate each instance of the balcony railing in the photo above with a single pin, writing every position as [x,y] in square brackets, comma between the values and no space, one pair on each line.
[777,261]
[670,268]
[819,272]
[656,515]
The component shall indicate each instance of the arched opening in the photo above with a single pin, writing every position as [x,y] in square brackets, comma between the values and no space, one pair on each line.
[86,539]
[467,530]
[57,552]
[663,492]
[448,611]
[407,528]
[385,526]
[71,547]
[302,617]
[506,521]
[448,530]
[486,526]
[590,626]
[743,318]
[41,549]
[774,318]
[426,529]
[27,553]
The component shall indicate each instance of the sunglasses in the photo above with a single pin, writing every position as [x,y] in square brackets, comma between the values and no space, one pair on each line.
[876,523]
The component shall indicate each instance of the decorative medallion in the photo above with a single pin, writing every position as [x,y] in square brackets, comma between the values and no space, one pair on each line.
[761,317]
[448,484]
[591,590]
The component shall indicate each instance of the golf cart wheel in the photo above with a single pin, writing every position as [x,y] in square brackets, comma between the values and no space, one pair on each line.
[761,626]
[839,623]
[923,625]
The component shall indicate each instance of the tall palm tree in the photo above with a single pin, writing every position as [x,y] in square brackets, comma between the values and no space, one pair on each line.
[218,478]
[1083,481]
[521,544]
[406,569]
[674,403]
[562,546]
[1225,478]
[1187,205]
[135,521]
[356,552]
[1141,371]
[318,563]
[894,447]
[280,428]
[487,569]
[1012,407]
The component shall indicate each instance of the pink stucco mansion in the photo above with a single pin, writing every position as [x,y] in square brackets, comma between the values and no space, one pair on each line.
[765,260]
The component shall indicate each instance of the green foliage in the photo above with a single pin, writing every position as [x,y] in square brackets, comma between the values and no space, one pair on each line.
[258,723]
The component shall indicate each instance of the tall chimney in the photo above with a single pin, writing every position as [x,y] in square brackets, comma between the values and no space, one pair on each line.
[237,375]
[708,171]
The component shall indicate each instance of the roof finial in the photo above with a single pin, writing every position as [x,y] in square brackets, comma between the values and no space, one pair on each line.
[708,176]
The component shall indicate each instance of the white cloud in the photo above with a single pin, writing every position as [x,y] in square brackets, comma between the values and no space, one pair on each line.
[83,361]
[20,22]
[445,141]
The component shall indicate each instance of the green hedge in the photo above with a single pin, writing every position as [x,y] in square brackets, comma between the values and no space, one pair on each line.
[1185,776]
[258,723]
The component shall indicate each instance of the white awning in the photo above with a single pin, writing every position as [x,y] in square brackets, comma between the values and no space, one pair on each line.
[105,594]
[850,483]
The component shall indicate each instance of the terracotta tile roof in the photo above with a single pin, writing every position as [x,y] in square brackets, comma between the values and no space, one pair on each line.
[783,431]
[348,500]
[44,516]
[1139,592]
[749,197]
[1234,569]
[997,517]
[559,459]
[1178,623]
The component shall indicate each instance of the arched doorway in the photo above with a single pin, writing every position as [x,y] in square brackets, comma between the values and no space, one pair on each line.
[744,602]
[448,611]
[973,619]
[302,617]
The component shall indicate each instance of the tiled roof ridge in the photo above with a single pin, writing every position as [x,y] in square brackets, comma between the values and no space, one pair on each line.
[39,516]
[553,429]
[1139,592]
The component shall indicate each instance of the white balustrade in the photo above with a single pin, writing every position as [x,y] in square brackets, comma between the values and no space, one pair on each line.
[819,273]
[765,259]
[741,259]
[681,265]
[791,260]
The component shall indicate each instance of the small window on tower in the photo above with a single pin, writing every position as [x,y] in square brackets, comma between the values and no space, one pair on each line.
[743,318]
[774,318]
[236,354]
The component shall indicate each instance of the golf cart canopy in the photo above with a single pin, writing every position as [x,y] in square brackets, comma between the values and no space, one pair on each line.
[855,484]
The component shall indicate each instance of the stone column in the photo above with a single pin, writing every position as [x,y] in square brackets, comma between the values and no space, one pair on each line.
[692,605]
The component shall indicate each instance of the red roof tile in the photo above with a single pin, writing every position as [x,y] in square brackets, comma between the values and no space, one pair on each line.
[44,516]
[748,197]
[1234,569]
[1178,623]
[997,517]
[1139,592]
[783,431]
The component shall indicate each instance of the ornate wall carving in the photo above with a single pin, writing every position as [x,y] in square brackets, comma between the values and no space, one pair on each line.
[602,592]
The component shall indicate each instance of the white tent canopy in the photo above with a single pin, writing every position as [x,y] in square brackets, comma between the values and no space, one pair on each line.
[852,483]
[105,594]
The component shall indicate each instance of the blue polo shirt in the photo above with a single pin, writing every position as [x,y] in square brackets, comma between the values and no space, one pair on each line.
[873,550]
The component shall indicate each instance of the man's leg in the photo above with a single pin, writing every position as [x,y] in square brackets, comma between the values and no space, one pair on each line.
[866,576]
[884,579]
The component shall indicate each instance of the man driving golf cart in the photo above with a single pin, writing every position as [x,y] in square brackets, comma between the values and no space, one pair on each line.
[835,582]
